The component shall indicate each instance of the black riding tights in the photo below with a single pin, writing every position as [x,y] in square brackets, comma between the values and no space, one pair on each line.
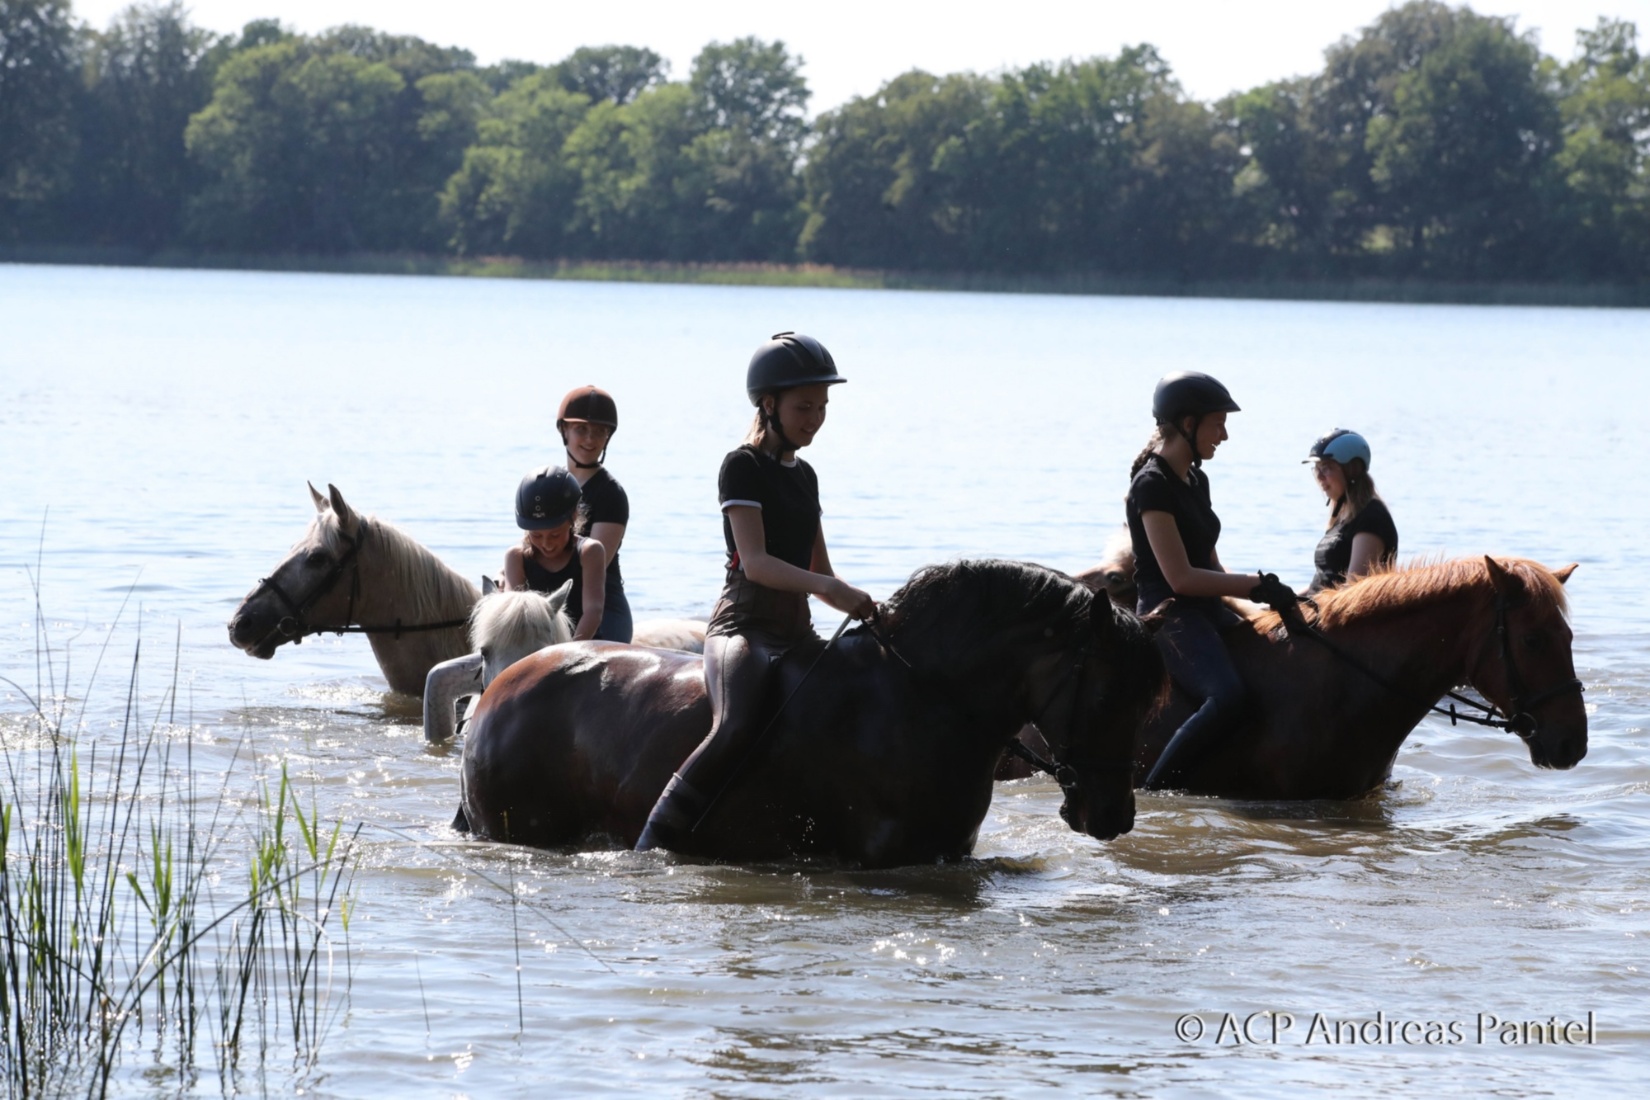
[1200,666]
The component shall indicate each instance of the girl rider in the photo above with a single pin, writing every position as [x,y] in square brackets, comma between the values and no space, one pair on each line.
[587,419]
[776,558]
[1360,532]
[1174,530]
[551,553]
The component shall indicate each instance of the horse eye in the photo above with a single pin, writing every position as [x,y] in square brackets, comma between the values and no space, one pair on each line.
[1536,640]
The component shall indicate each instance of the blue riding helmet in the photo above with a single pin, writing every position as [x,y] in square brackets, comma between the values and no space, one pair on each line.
[1341,445]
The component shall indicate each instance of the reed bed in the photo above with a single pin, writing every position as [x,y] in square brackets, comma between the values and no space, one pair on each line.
[148,926]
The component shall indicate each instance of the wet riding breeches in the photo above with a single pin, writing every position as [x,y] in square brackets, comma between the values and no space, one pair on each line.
[750,629]
[1199,664]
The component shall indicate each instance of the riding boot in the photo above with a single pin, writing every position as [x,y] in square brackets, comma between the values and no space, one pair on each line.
[1189,745]
[678,810]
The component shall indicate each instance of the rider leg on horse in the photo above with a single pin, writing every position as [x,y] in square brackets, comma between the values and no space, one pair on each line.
[1173,528]
[776,558]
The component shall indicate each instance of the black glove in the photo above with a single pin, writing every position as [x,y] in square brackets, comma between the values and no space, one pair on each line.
[1274,593]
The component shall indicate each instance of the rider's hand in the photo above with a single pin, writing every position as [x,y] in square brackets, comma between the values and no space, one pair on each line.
[850,600]
[1274,593]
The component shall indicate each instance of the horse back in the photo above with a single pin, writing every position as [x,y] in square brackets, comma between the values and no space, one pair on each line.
[576,741]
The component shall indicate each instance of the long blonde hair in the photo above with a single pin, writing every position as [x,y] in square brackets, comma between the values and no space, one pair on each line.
[1359,492]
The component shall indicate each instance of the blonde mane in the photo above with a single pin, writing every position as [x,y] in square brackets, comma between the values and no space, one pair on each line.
[430,590]
[1390,589]
[518,620]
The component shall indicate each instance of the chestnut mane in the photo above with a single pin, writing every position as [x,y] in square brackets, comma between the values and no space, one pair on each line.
[1390,589]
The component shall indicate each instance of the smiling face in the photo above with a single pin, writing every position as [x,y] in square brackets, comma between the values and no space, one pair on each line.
[551,541]
[1331,478]
[1211,433]
[801,411]
[585,441]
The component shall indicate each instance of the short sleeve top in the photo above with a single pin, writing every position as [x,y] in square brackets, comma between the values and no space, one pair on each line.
[788,496]
[1334,554]
[1156,488]
[603,501]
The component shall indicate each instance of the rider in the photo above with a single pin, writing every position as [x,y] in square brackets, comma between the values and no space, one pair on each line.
[776,557]
[587,419]
[551,553]
[1360,533]
[1174,530]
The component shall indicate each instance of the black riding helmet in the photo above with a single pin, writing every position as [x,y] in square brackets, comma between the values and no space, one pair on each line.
[546,498]
[1189,393]
[788,360]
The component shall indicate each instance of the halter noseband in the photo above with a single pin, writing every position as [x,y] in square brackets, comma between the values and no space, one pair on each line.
[293,624]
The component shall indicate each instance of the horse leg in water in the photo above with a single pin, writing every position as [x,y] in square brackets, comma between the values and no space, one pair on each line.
[1199,663]
[738,668]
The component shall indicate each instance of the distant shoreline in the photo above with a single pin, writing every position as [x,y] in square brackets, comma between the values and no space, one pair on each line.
[1355,289]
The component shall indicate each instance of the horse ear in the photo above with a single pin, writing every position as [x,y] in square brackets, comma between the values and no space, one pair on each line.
[1154,619]
[487,586]
[1499,577]
[320,501]
[1563,572]
[558,598]
[346,515]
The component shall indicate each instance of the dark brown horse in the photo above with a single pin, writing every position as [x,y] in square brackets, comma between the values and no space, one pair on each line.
[882,756]
[1326,720]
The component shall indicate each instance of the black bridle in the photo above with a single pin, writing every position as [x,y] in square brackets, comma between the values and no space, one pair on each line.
[295,627]
[1521,721]
[1063,773]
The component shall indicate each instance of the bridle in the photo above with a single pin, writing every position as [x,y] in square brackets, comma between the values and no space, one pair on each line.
[1521,721]
[294,626]
[1055,765]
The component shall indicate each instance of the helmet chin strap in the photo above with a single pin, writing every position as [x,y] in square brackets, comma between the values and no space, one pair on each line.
[1191,440]
[771,422]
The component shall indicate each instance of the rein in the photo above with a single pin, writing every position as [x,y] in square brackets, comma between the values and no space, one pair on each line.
[293,625]
[1522,721]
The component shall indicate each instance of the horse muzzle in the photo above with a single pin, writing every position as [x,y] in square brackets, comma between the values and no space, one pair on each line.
[1103,819]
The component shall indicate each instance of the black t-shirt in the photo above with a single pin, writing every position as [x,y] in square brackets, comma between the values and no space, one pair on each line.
[1156,489]
[1334,553]
[540,579]
[603,501]
[787,495]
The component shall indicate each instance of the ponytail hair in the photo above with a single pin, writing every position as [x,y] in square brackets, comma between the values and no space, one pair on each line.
[1157,440]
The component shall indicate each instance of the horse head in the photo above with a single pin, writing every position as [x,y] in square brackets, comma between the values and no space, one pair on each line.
[1113,574]
[1116,678]
[313,588]
[507,626]
[1525,667]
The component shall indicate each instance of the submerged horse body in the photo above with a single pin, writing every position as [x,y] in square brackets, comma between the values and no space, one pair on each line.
[880,751]
[1326,721]
[360,574]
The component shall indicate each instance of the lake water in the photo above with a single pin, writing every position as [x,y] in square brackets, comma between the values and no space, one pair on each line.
[157,428]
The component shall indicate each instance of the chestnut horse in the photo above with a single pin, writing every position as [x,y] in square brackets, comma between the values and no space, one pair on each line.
[882,744]
[358,574]
[1327,714]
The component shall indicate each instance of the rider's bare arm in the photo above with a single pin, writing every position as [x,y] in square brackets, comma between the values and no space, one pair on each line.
[749,538]
[1186,580]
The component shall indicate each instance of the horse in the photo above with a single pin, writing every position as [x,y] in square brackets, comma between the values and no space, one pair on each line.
[359,574]
[1333,695]
[1113,574]
[881,745]
[505,626]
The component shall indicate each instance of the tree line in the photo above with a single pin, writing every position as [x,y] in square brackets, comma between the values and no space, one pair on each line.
[1435,143]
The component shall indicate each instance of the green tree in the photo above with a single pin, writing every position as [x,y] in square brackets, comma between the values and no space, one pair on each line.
[617,74]
[145,76]
[38,90]
[1604,161]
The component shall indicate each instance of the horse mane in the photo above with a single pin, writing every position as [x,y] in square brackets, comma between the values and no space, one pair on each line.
[979,599]
[430,590]
[1392,588]
[517,620]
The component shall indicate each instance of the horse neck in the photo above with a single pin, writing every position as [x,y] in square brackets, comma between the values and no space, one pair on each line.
[401,581]
[1423,650]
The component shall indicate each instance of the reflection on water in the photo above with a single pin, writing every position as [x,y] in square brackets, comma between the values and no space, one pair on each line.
[1473,882]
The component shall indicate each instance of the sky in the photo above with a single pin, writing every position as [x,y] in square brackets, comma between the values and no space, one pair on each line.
[851,47]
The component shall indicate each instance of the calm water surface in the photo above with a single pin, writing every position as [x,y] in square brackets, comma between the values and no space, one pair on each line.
[157,429]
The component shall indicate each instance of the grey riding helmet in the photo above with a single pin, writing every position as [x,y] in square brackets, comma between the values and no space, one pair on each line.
[546,498]
[789,359]
[1189,393]
[1343,446]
